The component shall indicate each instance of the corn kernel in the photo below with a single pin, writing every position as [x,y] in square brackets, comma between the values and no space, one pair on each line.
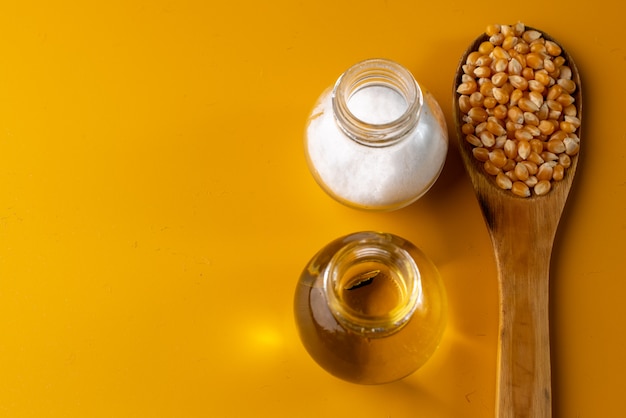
[503,181]
[490,168]
[520,189]
[542,187]
[558,172]
[480,153]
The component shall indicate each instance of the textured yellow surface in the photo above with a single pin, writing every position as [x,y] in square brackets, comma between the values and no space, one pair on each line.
[156,209]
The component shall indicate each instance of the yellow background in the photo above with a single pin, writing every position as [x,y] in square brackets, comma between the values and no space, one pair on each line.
[156,209]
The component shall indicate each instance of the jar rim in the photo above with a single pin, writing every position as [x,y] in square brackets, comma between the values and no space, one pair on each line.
[377,72]
[383,249]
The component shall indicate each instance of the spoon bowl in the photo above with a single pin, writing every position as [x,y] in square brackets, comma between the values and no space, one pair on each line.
[522,232]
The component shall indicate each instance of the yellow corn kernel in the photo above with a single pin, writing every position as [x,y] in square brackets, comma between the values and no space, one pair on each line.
[544,112]
[523,149]
[507,30]
[464,104]
[474,140]
[553,48]
[567,126]
[500,140]
[548,65]
[484,61]
[549,156]
[559,61]
[496,38]
[500,95]
[480,153]
[487,139]
[542,187]
[467,128]
[492,29]
[495,128]
[544,172]
[515,96]
[543,77]
[498,158]
[476,99]
[472,57]
[527,105]
[571,146]
[482,71]
[531,35]
[565,72]
[485,47]
[554,92]
[516,115]
[546,127]
[521,171]
[565,99]
[534,85]
[565,160]
[500,65]
[523,134]
[530,166]
[503,181]
[520,189]
[490,103]
[467,87]
[509,42]
[518,82]
[490,168]
[486,88]
[558,172]
[536,98]
[515,67]
[534,60]
[556,146]
[531,119]
[510,149]
[568,85]
[499,78]
[480,128]
[528,73]
[477,114]
[535,158]
[538,47]
[509,165]
[500,111]
[570,110]
[531,181]
[522,47]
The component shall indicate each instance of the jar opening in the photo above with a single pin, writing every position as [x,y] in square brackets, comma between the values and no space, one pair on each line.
[372,286]
[377,102]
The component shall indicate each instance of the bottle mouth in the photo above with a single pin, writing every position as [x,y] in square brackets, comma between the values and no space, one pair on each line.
[373,286]
[377,102]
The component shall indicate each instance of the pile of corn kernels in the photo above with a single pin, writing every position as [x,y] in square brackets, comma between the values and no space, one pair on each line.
[516,100]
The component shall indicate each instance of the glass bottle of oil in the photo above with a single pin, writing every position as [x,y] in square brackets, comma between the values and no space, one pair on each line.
[370,308]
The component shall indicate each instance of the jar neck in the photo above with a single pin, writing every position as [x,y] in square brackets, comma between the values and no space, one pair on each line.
[381,123]
[372,285]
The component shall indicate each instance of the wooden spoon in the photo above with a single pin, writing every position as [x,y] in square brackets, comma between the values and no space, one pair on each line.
[522,232]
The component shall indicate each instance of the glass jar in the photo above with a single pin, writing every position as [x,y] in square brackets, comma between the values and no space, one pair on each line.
[376,140]
[370,308]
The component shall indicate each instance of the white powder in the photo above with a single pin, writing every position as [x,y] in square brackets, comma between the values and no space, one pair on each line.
[376,177]
[377,104]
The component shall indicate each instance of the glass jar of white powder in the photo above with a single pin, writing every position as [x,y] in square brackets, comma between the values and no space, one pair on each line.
[376,140]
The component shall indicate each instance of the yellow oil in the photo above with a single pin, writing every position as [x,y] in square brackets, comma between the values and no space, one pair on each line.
[361,357]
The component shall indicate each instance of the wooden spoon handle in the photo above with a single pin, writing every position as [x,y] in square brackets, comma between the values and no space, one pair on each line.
[523,248]
[524,382]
